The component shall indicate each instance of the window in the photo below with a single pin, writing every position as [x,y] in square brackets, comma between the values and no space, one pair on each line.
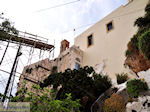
[77,66]
[90,40]
[110,26]
[77,59]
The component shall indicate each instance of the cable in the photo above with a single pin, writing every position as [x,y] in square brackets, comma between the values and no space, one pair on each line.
[56,6]
[86,25]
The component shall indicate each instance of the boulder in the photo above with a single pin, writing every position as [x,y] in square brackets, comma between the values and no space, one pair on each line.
[142,105]
[134,106]
[145,75]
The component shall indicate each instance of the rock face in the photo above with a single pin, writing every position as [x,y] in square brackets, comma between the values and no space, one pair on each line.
[137,62]
[142,105]
[139,46]
[146,76]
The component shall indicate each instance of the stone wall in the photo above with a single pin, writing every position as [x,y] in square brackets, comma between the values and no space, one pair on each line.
[34,74]
[37,72]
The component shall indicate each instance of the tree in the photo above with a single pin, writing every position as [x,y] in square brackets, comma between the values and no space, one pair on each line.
[80,84]
[43,100]
[6,26]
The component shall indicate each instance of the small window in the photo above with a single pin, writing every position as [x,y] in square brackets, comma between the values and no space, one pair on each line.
[77,59]
[110,26]
[77,66]
[90,40]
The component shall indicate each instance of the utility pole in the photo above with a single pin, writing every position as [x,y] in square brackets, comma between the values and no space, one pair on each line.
[12,73]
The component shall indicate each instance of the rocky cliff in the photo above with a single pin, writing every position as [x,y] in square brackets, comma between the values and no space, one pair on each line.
[138,52]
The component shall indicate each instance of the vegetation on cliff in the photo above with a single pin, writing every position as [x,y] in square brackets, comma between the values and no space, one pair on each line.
[138,52]
[115,103]
[135,86]
[121,78]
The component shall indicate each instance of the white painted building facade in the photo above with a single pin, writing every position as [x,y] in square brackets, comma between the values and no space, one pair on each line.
[105,42]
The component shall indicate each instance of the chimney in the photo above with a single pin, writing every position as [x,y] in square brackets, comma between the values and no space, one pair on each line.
[64,45]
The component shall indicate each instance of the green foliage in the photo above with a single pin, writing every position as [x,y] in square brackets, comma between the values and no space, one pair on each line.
[128,53]
[147,9]
[134,41]
[101,83]
[8,27]
[144,22]
[144,44]
[115,103]
[45,101]
[79,83]
[2,95]
[54,69]
[135,86]
[121,78]
[141,40]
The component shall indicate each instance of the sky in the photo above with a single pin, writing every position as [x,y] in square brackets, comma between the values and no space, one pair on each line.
[55,24]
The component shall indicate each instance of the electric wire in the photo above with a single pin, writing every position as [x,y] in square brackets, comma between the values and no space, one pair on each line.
[56,6]
[89,24]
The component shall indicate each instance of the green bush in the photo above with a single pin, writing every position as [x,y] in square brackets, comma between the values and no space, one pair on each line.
[144,44]
[128,53]
[44,100]
[121,78]
[135,86]
[141,40]
[115,103]
[134,41]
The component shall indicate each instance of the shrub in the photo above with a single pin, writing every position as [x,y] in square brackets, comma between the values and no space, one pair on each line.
[130,99]
[54,69]
[134,42]
[135,86]
[115,103]
[128,53]
[144,44]
[44,100]
[121,78]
